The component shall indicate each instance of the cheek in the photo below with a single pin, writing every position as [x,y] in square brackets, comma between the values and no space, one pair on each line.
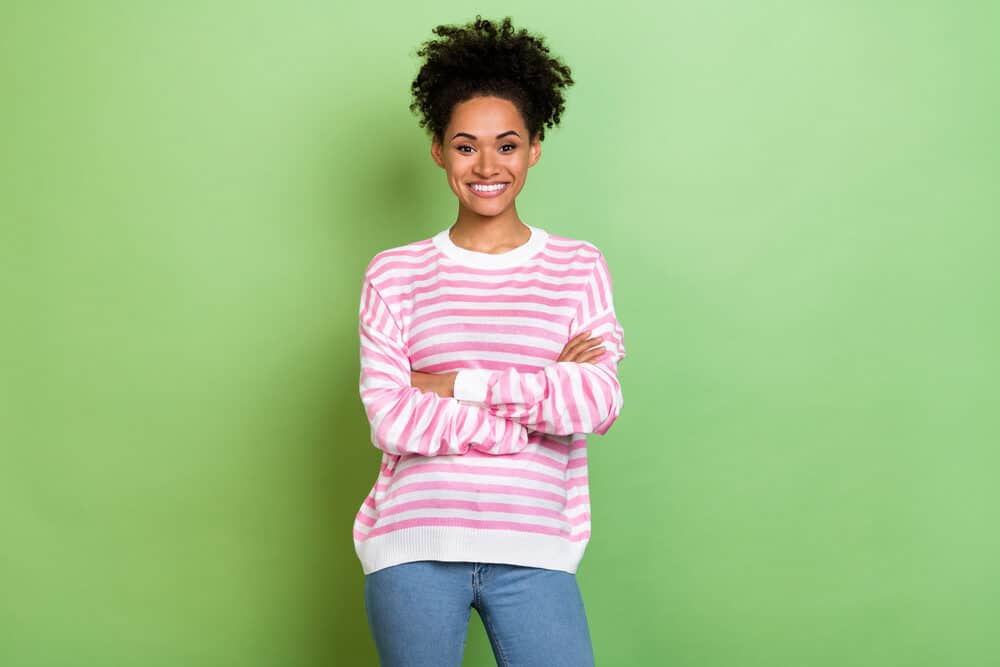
[457,184]
[522,173]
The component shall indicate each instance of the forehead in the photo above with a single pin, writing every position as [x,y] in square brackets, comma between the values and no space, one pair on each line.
[486,115]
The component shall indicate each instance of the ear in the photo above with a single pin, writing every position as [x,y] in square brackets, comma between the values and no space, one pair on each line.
[436,153]
[534,151]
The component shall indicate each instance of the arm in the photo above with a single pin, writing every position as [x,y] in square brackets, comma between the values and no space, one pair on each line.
[565,397]
[405,420]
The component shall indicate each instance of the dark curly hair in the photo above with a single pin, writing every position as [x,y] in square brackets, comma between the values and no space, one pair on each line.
[487,58]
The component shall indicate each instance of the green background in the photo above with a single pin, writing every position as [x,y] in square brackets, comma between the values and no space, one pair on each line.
[798,203]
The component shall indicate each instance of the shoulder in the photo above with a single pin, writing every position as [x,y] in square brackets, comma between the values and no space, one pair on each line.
[578,251]
[589,261]
[400,259]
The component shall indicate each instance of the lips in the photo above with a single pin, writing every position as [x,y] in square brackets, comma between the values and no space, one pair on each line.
[488,190]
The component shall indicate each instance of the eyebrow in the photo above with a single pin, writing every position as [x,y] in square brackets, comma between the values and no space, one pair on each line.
[499,136]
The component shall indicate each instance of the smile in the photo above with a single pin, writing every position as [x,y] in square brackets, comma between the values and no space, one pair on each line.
[488,191]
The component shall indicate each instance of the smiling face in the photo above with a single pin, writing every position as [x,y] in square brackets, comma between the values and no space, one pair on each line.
[486,152]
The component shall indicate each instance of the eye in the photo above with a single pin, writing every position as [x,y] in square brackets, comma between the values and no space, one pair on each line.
[459,148]
[510,146]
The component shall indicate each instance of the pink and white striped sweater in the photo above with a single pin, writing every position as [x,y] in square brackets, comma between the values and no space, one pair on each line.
[499,472]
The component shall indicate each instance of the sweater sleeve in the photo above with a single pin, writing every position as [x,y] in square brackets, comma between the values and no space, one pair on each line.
[565,397]
[406,420]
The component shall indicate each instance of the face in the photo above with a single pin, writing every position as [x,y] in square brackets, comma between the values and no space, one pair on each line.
[486,153]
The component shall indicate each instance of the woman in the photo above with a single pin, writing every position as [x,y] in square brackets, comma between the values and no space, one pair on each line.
[488,351]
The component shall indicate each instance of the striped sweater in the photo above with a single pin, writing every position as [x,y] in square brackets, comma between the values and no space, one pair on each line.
[499,472]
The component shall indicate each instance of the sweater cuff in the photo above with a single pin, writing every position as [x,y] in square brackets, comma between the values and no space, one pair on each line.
[471,385]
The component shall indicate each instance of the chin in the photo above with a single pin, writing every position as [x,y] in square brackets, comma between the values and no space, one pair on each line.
[489,211]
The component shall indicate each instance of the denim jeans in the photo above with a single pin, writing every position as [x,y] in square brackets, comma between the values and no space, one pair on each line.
[419,613]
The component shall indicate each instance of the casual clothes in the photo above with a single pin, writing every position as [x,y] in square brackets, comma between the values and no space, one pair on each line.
[419,614]
[497,474]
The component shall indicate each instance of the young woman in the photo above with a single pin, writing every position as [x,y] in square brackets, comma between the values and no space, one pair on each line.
[488,352]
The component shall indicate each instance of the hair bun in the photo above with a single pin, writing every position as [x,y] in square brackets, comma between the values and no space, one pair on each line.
[483,57]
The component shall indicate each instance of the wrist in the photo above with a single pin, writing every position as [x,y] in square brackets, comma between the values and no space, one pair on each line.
[446,384]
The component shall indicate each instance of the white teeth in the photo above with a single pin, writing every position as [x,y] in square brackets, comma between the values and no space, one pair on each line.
[488,188]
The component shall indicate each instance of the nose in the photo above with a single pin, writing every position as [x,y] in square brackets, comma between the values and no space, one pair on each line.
[486,164]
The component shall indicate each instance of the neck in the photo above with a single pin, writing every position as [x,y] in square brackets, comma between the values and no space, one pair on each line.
[489,234]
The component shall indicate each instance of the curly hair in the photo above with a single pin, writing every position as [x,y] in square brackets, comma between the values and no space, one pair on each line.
[487,58]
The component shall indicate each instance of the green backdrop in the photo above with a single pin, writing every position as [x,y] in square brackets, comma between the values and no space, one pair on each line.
[799,206]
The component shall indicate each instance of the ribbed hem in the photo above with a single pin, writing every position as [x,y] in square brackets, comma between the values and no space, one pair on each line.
[471,384]
[468,544]
[485,260]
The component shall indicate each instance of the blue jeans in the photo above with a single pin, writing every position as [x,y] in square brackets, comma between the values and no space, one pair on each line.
[419,613]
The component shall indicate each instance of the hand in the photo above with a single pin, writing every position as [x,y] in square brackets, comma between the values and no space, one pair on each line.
[442,384]
[583,348]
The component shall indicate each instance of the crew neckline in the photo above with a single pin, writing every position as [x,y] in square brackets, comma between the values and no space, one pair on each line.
[486,260]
